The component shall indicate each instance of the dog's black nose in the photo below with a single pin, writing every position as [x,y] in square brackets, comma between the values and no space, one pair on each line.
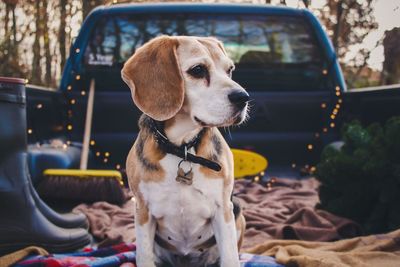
[239,98]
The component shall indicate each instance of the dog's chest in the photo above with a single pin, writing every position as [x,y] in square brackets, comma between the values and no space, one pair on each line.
[183,212]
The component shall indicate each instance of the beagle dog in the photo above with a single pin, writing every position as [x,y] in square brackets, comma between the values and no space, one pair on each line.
[180,168]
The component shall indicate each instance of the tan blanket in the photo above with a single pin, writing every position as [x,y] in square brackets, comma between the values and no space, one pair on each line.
[371,251]
[110,224]
[286,211]
[12,258]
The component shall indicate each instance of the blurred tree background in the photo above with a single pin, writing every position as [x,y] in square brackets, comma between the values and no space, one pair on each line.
[35,37]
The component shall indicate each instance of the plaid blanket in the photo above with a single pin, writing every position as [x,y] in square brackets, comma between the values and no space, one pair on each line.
[119,255]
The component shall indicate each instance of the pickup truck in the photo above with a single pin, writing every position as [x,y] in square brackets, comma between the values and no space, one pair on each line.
[283,58]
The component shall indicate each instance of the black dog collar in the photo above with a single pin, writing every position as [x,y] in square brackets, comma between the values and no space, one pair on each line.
[181,151]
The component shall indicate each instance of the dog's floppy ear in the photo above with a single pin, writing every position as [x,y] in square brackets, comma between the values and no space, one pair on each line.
[155,78]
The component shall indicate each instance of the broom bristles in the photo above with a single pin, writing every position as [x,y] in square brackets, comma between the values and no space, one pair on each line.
[74,188]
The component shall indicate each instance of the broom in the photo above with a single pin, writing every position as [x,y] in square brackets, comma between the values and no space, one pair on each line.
[83,185]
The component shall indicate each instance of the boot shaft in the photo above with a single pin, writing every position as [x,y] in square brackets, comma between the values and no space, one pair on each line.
[13,135]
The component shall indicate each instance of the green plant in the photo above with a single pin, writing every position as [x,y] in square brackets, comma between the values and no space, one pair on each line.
[361,180]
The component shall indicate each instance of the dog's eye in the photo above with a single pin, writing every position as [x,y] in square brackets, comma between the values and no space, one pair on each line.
[198,71]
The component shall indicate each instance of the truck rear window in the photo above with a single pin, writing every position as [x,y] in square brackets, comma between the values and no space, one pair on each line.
[270,52]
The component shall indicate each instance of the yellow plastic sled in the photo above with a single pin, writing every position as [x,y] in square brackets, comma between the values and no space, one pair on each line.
[247,163]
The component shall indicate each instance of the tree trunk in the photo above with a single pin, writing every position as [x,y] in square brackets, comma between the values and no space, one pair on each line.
[46,42]
[61,33]
[337,28]
[7,19]
[36,77]
[87,6]
[14,25]
[6,31]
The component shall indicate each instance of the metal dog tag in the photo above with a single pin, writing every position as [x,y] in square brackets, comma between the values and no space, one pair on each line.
[184,177]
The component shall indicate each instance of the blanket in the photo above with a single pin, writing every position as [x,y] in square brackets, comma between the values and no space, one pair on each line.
[374,250]
[284,210]
[120,255]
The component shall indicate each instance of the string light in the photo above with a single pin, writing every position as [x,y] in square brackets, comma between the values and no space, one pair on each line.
[26,81]
[340,101]
[118,166]
[337,93]
[77,50]
[332,125]
[39,106]
[310,147]
[325,130]
[68,142]
[30,131]
[70,115]
[257,178]
[293,165]
[332,117]
[324,71]
[323,105]
[316,135]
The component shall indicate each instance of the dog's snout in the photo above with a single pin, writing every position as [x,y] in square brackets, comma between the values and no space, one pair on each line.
[239,98]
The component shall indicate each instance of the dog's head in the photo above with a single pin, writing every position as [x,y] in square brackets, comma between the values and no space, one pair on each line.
[190,75]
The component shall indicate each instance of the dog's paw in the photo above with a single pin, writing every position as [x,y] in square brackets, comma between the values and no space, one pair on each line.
[145,264]
[230,263]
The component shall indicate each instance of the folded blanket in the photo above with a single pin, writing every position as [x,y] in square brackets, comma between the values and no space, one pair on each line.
[374,250]
[285,211]
[121,255]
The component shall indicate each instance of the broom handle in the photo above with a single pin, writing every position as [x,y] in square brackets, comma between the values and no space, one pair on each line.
[88,126]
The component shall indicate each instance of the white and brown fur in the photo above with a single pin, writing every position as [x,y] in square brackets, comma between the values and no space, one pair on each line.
[183,216]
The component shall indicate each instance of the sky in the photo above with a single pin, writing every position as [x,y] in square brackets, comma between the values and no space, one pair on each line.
[387,14]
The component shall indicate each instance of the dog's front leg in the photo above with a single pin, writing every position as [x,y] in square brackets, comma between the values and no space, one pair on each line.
[145,232]
[225,233]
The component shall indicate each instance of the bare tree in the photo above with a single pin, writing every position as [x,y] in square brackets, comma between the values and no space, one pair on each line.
[36,74]
[61,33]
[46,44]
[391,65]
[348,22]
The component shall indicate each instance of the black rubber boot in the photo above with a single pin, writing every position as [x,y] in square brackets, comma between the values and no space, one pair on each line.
[22,224]
[66,220]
